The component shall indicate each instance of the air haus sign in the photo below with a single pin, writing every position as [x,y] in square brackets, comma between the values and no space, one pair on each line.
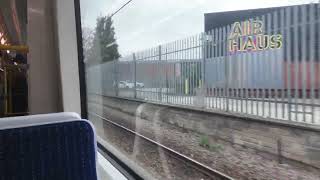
[249,36]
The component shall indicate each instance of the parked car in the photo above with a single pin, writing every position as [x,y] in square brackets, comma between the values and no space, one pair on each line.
[122,84]
[139,85]
[125,84]
[129,84]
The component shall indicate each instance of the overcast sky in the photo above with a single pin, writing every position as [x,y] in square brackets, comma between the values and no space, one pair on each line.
[148,23]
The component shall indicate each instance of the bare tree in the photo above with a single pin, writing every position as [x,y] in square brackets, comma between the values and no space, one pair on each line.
[87,39]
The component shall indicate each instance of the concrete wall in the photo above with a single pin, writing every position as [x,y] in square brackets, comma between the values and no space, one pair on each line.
[281,141]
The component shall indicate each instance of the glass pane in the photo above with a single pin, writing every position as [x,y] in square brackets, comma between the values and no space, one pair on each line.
[29,81]
[181,89]
[13,58]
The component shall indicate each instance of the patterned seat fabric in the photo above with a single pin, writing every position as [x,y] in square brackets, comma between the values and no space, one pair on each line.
[57,151]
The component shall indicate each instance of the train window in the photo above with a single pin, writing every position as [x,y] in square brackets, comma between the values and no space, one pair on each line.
[183,89]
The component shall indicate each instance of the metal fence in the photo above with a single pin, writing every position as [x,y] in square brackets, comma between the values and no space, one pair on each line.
[201,71]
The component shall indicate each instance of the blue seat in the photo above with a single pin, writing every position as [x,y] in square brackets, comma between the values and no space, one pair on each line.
[47,147]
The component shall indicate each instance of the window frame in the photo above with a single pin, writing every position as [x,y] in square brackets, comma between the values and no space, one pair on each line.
[115,161]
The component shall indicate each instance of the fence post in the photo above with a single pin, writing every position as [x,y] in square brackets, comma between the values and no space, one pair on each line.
[167,83]
[115,66]
[227,93]
[135,75]
[203,67]
[159,76]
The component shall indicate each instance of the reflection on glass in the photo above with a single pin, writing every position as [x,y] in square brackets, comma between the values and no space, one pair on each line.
[13,58]
[173,86]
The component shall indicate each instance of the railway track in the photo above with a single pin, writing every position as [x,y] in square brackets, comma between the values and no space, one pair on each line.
[212,173]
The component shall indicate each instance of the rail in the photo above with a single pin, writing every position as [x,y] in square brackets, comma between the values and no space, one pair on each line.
[172,153]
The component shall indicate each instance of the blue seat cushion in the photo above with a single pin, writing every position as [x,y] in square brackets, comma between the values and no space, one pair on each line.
[60,151]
